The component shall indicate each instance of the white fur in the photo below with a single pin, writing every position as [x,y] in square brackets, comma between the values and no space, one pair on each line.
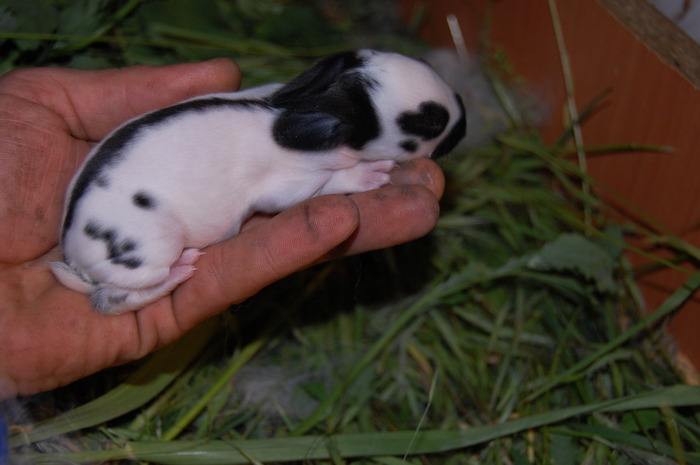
[208,171]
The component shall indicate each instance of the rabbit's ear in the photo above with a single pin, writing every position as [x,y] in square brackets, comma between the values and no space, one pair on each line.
[326,107]
[315,81]
[310,130]
[342,116]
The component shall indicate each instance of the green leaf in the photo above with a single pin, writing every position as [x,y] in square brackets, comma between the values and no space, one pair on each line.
[563,450]
[639,442]
[642,420]
[81,17]
[8,20]
[573,253]
[33,16]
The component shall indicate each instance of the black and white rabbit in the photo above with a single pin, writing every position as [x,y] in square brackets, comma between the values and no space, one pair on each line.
[168,183]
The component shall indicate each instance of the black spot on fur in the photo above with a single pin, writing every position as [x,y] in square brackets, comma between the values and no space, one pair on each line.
[103,301]
[409,145]
[144,200]
[116,248]
[92,230]
[111,150]
[127,246]
[427,122]
[128,262]
[456,134]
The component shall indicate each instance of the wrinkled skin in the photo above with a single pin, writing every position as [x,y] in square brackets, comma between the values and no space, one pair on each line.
[49,335]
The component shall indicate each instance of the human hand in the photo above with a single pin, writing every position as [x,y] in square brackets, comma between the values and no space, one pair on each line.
[49,334]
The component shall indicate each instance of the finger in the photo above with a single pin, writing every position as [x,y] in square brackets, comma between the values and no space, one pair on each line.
[420,171]
[390,216]
[397,213]
[93,102]
[234,270]
[394,214]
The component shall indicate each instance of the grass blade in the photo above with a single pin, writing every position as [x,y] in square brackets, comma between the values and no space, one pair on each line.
[239,360]
[220,452]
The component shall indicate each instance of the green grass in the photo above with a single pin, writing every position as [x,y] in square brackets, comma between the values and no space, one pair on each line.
[512,334]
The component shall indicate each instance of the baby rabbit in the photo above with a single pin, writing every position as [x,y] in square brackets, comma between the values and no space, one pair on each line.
[171,182]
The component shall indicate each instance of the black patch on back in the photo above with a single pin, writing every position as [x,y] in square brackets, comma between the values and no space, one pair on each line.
[111,150]
[116,248]
[409,145]
[427,122]
[456,134]
[144,200]
[128,262]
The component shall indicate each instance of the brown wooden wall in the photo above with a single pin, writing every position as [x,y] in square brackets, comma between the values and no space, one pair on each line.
[650,103]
